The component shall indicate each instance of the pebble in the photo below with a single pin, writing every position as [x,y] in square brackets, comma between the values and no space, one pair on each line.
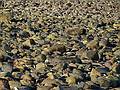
[117,52]
[116,68]
[43,87]
[94,74]
[20,63]
[68,88]
[1,56]
[74,31]
[40,58]
[59,45]
[14,84]
[40,66]
[26,80]
[49,82]
[71,80]
[92,44]
[7,67]
[4,85]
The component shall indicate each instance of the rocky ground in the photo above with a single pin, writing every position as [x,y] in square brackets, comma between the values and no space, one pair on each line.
[60,45]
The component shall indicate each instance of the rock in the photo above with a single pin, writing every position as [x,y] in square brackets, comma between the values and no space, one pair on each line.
[32,42]
[14,84]
[26,80]
[71,80]
[24,34]
[40,66]
[117,52]
[4,85]
[88,67]
[116,25]
[92,44]
[70,53]
[40,58]
[114,80]
[74,31]
[51,36]
[103,82]
[26,88]
[68,88]
[4,74]
[26,43]
[1,56]
[116,68]
[57,47]
[50,75]
[94,74]
[14,51]
[43,87]
[90,85]
[81,84]
[72,65]
[108,64]
[103,42]
[20,63]
[7,67]
[77,74]
[50,82]
[90,54]
[102,70]
[17,74]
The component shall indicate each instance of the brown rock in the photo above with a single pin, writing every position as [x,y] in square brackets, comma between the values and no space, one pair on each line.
[20,63]
[50,82]
[43,88]
[74,31]
[4,85]
[57,47]
[1,56]
[94,74]
[71,80]
[92,44]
